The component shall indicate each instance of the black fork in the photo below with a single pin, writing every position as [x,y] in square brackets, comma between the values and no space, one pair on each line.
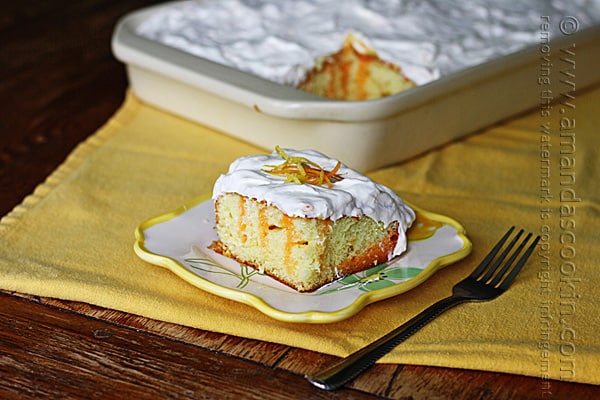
[489,280]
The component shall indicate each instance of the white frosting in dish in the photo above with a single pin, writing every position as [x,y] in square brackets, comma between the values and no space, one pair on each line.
[279,40]
[354,195]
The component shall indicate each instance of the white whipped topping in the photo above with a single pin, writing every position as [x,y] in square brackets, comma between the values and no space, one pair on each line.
[280,39]
[355,195]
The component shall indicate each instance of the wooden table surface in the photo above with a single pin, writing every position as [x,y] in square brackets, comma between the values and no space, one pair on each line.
[59,83]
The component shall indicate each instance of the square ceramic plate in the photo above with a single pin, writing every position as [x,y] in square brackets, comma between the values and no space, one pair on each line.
[179,241]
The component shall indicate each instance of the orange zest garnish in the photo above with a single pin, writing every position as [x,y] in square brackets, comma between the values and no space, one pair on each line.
[301,170]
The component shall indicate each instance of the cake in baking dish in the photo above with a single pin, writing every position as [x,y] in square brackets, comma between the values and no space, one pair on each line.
[305,219]
[355,72]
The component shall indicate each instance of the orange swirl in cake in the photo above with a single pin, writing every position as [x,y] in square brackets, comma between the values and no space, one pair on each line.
[355,72]
[306,219]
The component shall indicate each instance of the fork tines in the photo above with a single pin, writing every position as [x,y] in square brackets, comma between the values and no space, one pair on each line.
[493,277]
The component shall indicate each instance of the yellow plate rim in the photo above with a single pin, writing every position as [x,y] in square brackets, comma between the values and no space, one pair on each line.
[306,316]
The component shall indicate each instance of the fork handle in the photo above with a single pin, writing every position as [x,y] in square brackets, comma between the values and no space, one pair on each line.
[351,366]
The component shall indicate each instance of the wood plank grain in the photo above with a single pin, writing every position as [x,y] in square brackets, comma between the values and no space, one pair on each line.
[301,362]
[421,382]
[50,353]
[383,380]
[253,350]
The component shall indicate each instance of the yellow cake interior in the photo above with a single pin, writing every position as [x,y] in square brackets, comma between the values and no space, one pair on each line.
[355,72]
[304,253]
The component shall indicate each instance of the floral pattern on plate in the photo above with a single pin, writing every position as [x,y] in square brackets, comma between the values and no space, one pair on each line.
[179,240]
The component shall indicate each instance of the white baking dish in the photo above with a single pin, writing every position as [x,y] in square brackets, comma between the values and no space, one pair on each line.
[365,134]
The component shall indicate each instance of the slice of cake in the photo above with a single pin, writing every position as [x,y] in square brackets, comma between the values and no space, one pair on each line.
[306,219]
[355,72]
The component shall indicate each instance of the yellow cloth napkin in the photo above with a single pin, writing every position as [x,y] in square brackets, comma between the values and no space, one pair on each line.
[73,237]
